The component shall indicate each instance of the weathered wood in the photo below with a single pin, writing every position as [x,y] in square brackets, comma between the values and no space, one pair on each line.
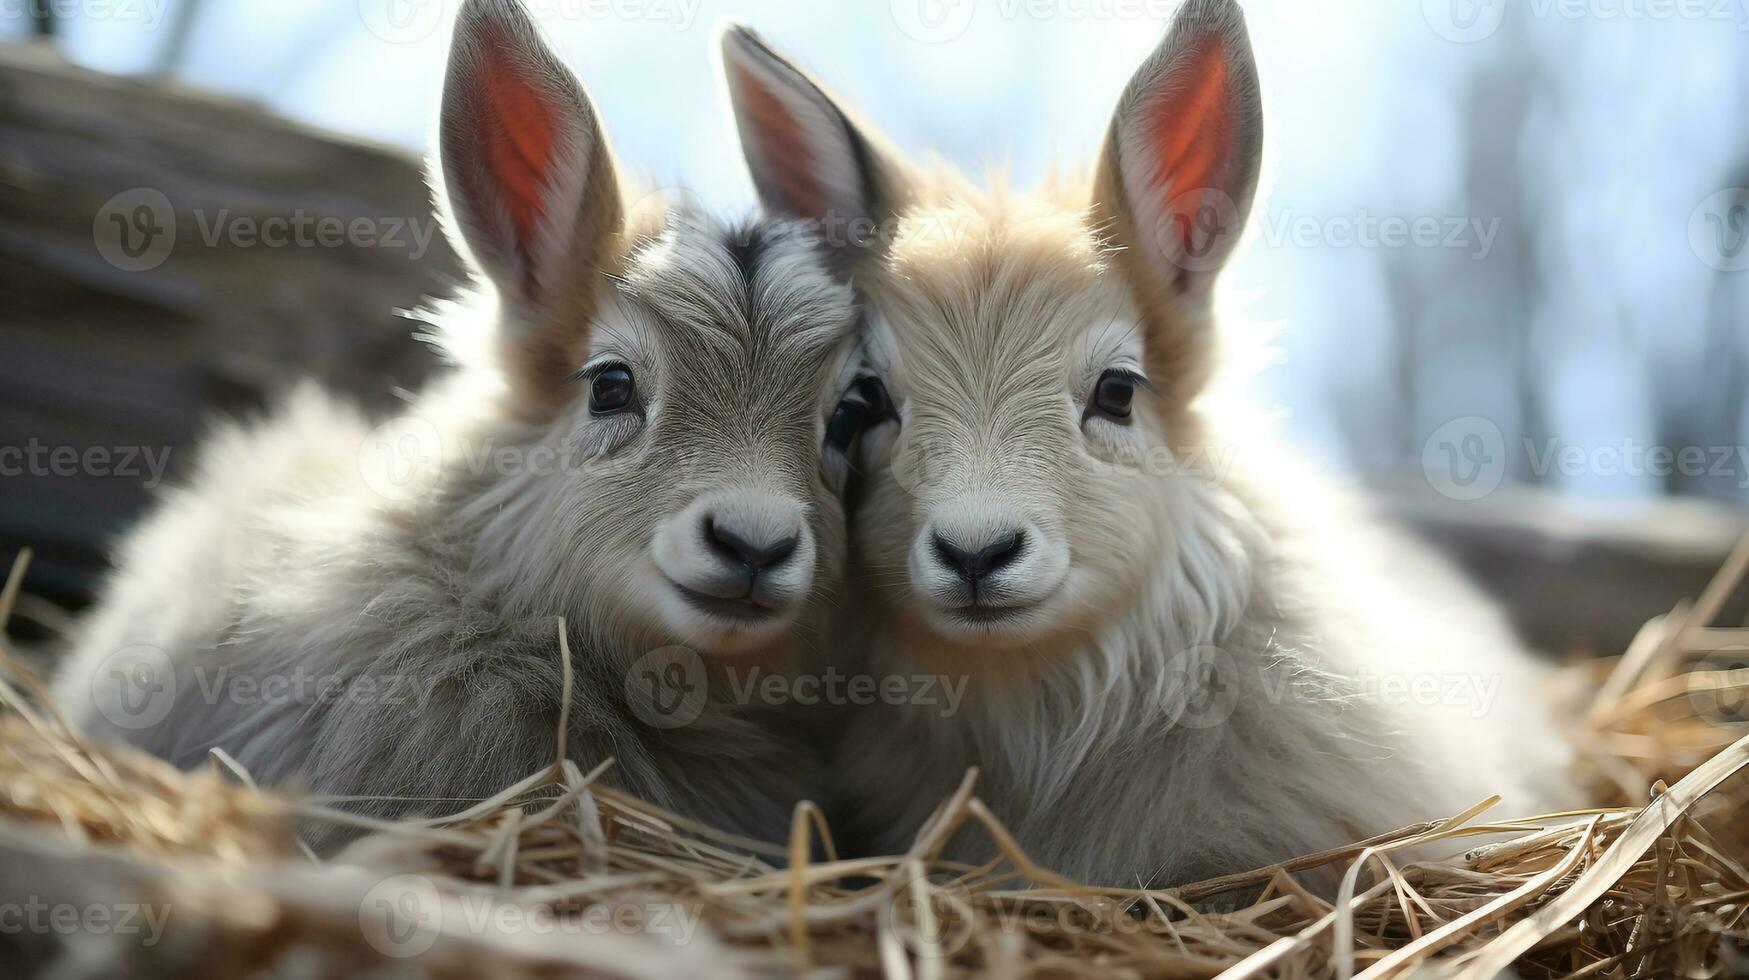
[96,355]
[1577,575]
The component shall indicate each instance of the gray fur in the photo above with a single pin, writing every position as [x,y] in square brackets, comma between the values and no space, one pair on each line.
[421,593]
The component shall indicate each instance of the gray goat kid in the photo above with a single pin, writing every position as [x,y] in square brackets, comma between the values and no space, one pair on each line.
[636,440]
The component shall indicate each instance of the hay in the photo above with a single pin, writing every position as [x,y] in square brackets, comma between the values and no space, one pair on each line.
[1653,883]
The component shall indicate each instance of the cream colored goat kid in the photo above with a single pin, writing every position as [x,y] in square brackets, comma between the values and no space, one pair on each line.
[636,441]
[1186,658]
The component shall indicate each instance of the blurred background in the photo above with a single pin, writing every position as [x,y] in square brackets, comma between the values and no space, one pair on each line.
[1500,245]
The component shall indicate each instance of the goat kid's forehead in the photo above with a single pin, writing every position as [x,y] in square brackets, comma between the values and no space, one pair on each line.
[747,315]
[991,310]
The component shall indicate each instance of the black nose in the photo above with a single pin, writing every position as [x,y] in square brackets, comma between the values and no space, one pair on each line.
[974,565]
[738,548]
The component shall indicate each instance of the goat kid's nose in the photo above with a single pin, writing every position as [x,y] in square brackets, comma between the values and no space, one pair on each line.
[755,554]
[973,565]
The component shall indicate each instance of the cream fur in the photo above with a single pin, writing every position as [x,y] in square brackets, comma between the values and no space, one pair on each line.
[1198,672]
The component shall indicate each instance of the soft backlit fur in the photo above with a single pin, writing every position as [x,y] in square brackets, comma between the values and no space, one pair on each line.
[413,576]
[1190,667]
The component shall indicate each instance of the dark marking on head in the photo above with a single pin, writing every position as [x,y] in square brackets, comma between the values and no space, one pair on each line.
[746,243]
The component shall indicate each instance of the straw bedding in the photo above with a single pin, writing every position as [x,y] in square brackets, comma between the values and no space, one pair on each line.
[559,876]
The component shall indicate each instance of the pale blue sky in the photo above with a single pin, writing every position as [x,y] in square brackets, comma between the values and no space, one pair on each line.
[1579,282]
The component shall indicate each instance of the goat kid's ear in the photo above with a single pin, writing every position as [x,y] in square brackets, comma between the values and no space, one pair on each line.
[1178,172]
[529,178]
[808,155]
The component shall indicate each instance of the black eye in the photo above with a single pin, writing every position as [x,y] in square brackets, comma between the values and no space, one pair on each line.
[1114,393]
[847,422]
[874,395]
[611,390]
[865,406]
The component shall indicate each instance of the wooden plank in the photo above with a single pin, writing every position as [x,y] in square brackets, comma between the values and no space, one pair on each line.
[96,355]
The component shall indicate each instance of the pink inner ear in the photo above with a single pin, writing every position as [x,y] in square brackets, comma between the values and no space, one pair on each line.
[1191,137]
[782,145]
[522,130]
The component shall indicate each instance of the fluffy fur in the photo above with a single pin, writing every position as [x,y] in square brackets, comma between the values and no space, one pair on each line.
[373,612]
[1199,661]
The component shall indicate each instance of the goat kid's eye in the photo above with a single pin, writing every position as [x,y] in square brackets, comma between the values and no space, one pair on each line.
[611,390]
[864,406]
[874,395]
[1114,394]
[846,424]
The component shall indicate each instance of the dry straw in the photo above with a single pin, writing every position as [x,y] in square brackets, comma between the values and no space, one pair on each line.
[1651,884]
